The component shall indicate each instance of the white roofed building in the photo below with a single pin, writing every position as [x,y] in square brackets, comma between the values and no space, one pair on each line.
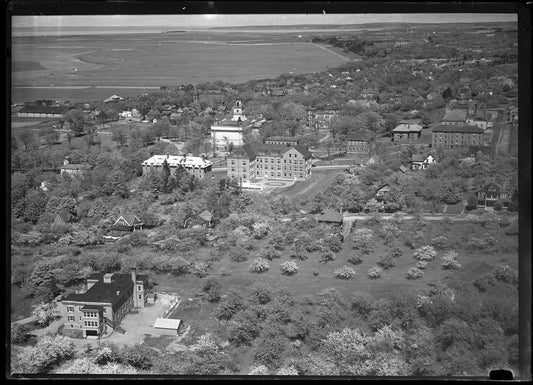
[230,131]
[195,165]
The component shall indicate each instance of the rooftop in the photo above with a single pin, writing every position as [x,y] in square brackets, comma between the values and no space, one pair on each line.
[408,128]
[455,115]
[102,292]
[74,166]
[360,135]
[175,161]
[333,216]
[454,128]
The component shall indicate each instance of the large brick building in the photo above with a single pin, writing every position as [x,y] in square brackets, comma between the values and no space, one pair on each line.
[105,301]
[270,161]
[359,142]
[452,136]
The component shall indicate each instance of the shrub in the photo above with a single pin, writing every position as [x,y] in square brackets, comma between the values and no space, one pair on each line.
[231,305]
[138,356]
[261,294]
[259,265]
[375,272]
[345,272]
[213,289]
[512,206]
[289,268]
[439,242]
[297,253]
[333,242]
[354,259]
[20,334]
[327,256]
[362,303]
[269,254]
[260,230]
[425,253]
[386,262]
[315,272]
[449,261]
[414,273]
[498,206]
[504,273]
[421,265]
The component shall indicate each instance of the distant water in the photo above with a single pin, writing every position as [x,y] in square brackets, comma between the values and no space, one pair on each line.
[65,31]
[70,31]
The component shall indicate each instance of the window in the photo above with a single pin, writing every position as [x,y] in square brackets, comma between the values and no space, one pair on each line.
[140,296]
[71,318]
[70,309]
[139,288]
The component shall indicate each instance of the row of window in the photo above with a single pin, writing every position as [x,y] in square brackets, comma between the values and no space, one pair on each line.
[90,323]
[87,314]
[279,160]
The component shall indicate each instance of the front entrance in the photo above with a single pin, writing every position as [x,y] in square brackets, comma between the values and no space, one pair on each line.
[91,333]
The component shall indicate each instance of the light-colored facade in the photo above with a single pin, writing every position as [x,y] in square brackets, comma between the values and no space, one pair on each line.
[269,161]
[196,166]
[229,132]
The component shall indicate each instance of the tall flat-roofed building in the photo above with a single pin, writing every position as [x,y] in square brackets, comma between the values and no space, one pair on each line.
[451,136]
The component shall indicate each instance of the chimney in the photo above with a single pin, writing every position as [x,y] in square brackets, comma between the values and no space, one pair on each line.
[118,292]
[108,277]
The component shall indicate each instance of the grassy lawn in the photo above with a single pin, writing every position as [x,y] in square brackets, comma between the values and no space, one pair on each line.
[455,209]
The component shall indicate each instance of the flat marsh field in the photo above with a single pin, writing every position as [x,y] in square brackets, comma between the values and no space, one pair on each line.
[92,67]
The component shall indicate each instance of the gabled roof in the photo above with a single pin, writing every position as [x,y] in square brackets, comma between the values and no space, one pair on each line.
[455,115]
[331,216]
[130,219]
[206,216]
[454,128]
[407,128]
[302,150]
[245,151]
[65,216]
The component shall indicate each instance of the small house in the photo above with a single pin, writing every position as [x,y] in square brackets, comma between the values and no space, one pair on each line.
[407,133]
[330,217]
[491,194]
[380,192]
[206,217]
[125,224]
[72,169]
[64,217]
[421,162]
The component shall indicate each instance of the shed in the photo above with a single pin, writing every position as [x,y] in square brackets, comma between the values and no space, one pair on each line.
[167,323]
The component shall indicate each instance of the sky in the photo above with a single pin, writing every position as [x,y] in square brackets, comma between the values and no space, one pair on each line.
[213,20]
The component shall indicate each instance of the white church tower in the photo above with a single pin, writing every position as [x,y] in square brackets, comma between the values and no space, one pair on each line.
[229,131]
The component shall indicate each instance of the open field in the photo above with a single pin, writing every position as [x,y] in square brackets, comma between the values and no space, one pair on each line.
[136,63]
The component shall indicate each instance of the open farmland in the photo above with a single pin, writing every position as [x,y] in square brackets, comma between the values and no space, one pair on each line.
[79,68]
